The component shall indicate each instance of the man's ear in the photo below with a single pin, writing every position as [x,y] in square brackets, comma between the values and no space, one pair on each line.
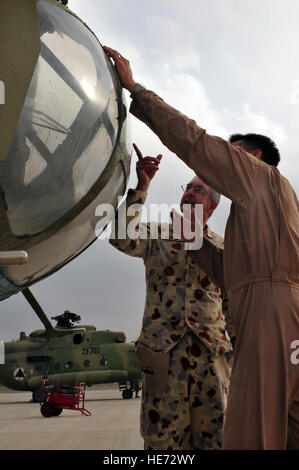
[257,153]
[214,204]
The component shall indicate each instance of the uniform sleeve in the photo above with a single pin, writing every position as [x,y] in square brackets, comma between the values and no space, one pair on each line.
[128,235]
[227,169]
[210,258]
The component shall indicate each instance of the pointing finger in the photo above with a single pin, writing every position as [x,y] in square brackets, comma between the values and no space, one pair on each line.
[139,154]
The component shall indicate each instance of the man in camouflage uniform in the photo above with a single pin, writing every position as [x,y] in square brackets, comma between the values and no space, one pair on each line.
[183,344]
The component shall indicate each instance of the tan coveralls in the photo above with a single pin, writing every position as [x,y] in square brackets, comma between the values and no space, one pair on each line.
[261,273]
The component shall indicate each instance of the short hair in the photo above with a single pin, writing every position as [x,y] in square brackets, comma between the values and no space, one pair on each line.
[214,196]
[270,153]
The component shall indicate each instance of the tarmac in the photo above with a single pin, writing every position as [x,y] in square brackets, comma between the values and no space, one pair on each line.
[113,424]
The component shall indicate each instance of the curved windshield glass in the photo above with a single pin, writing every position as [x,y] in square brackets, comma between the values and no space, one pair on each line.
[68,127]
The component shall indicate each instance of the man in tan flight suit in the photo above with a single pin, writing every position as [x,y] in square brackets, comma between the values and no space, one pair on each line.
[261,275]
[183,348]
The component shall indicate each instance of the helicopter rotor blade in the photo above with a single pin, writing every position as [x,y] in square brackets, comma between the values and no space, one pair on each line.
[50,332]
[37,308]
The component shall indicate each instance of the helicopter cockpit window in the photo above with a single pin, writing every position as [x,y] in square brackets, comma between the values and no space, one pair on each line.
[78,338]
[67,129]
[69,365]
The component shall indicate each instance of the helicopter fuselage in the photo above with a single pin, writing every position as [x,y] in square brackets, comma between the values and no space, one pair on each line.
[93,357]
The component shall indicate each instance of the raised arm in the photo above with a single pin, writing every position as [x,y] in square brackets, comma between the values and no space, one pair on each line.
[128,234]
[228,169]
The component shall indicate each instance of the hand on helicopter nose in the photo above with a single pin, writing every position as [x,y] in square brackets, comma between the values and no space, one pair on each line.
[122,67]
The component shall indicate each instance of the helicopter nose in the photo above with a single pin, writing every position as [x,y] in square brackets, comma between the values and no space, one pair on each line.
[65,150]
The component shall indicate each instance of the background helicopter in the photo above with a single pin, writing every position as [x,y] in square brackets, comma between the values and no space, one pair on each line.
[69,353]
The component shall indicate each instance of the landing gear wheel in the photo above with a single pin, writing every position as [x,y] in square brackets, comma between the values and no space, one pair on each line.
[57,412]
[47,409]
[127,394]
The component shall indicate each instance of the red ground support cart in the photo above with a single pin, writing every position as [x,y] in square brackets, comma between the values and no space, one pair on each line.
[61,397]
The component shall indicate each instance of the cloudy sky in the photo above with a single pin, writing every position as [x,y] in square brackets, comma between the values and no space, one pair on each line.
[233,67]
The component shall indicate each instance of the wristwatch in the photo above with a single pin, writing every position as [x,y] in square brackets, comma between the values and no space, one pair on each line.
[137,88]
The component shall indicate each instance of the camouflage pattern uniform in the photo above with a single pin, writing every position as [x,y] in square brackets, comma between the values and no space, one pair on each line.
[183,332]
